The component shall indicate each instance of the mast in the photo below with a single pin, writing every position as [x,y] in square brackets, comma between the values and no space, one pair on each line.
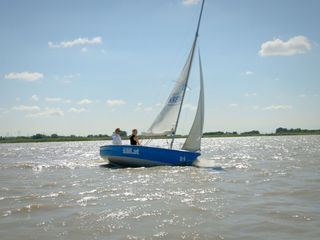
[188,73]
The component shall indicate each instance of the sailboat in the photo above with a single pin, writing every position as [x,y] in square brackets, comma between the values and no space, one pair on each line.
[166,124]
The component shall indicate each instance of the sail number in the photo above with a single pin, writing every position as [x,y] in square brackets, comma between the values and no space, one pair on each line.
[130,151]
[182,159]
[174,99]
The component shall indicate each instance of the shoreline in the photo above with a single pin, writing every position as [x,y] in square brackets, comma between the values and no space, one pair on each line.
[86,139]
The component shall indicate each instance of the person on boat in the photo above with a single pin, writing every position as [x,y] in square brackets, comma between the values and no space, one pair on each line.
[116,139]
[134,140]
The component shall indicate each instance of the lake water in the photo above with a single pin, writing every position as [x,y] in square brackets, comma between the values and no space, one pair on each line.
[247,188]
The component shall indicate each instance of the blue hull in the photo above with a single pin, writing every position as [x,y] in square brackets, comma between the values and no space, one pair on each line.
[143,156]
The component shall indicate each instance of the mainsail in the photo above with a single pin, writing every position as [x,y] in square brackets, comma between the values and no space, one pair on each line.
[166,122]
[193,141]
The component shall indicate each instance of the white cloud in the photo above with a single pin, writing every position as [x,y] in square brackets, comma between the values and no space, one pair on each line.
[24,108]
[48,112]
[277,47]
[303,95]
[24,76]
[139,107]
[53,99]
[67,79]
[278,107]
[3,111]
[115,102]
[248,72]
[84,50]
[34,98]
[77,110]
[35,111]
[190,2]
[75,42]
[233,105]
[57,99]
[85,101]
[70,76]
[250,94]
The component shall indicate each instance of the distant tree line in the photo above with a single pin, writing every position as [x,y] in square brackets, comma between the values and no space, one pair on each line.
[91,137]
[54,137]
[219,133]
[285,131]
[278,131]
[43,136]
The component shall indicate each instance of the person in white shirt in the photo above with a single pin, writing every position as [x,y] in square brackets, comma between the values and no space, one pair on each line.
[116,139]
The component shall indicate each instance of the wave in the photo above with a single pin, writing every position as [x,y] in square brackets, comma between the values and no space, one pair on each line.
[33,196]
[33,208]
[38,167]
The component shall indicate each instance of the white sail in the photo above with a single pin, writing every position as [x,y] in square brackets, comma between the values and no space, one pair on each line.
[166,122]
[193,141]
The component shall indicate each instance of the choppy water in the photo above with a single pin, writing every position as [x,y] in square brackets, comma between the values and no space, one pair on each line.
[268,189]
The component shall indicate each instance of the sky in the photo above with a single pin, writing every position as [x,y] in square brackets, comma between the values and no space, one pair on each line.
[87,67]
